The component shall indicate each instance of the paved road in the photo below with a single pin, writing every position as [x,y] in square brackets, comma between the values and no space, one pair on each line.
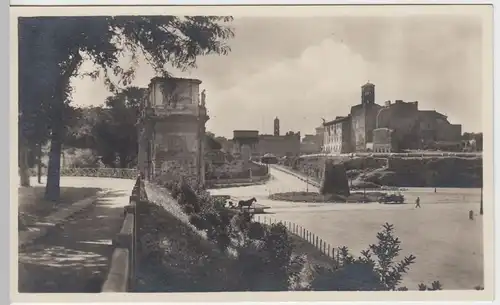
[448,246]
[76,258]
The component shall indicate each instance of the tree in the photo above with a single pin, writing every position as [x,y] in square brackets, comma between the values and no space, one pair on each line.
[54,48]
[212,142]
[478,137]
[115,134]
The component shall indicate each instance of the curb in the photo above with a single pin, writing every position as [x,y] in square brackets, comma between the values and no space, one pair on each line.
[55,219]
[121,273]
[262,180]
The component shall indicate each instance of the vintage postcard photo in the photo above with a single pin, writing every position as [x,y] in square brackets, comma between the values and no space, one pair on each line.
[220,150]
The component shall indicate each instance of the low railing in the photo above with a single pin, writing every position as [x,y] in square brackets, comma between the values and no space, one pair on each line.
[121,276]
[122,173]
[409,154]
[313,239]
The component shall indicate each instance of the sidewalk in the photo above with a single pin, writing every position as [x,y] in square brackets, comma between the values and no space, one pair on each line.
[75,257]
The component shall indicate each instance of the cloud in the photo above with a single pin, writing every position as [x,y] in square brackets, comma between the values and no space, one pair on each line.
[305,69]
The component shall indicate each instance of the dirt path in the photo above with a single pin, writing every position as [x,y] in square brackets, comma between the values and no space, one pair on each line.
[75,258]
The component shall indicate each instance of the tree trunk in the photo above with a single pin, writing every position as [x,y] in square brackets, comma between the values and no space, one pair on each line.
[123,161]
[39,165]
[24,175]
[52,189]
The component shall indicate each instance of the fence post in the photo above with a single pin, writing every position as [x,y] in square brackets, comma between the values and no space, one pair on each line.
[328,250]
[320,244]
[317,241]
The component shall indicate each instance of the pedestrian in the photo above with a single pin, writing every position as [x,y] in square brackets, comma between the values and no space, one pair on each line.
[417,202]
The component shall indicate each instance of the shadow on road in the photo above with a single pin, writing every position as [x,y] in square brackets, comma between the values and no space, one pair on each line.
[74,258]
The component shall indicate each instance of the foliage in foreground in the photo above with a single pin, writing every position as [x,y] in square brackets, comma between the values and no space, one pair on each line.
[376,269]
[264,258]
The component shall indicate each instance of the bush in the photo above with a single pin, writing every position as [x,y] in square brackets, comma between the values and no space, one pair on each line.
[263,253]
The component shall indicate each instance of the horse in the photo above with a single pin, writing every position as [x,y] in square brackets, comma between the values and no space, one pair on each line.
[246,203]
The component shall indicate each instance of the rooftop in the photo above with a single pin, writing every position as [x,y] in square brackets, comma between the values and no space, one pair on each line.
[337,120]
[180,79]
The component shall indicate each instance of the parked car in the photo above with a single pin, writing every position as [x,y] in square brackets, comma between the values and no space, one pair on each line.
[391,199]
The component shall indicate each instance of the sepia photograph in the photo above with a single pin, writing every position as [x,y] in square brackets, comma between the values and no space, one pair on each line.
[252,149]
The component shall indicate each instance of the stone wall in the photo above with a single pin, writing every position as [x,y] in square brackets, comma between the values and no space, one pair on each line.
[279,145]
[404,172]
[358,140]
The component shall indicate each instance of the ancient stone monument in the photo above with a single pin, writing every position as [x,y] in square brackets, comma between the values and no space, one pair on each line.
[335,179]
[172,129]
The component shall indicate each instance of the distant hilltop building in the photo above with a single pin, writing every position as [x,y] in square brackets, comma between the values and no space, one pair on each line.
[261,144]
[276,126]
[393,127]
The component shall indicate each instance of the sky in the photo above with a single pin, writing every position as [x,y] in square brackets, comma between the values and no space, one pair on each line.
[304,69]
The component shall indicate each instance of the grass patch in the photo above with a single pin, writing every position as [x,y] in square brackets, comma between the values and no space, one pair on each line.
[32,207]
[173,257]
[357,197]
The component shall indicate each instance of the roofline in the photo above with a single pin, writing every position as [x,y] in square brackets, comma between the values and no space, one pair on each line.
[245,130]
[190,80]
[337,120]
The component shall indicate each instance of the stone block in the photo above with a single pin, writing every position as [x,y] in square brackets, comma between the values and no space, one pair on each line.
[335,179]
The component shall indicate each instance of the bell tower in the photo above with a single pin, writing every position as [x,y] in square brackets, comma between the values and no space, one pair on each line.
[368,94]
[276,126]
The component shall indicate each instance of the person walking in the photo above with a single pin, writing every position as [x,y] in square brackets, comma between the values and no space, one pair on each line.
[417,202]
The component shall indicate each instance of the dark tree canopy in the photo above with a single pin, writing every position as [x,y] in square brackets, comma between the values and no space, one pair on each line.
[52,49]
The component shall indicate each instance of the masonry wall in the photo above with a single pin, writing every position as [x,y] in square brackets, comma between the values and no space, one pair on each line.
[279,145]
[358,131]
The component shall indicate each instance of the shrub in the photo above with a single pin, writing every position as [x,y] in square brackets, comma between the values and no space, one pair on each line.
[265,260]
[263,254]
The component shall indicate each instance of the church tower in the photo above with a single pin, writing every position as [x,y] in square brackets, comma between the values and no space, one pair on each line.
[368,94]
[276,126]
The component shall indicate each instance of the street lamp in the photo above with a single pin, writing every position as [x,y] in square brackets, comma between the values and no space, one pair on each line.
[307,179]
[481,204]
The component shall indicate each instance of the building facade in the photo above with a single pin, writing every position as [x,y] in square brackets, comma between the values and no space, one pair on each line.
[363,119]
[393,127]
[382,140]
[280,146]
[337,135]
[245,143]
[412,128]
[310,145]
[320,136]
[172,128]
